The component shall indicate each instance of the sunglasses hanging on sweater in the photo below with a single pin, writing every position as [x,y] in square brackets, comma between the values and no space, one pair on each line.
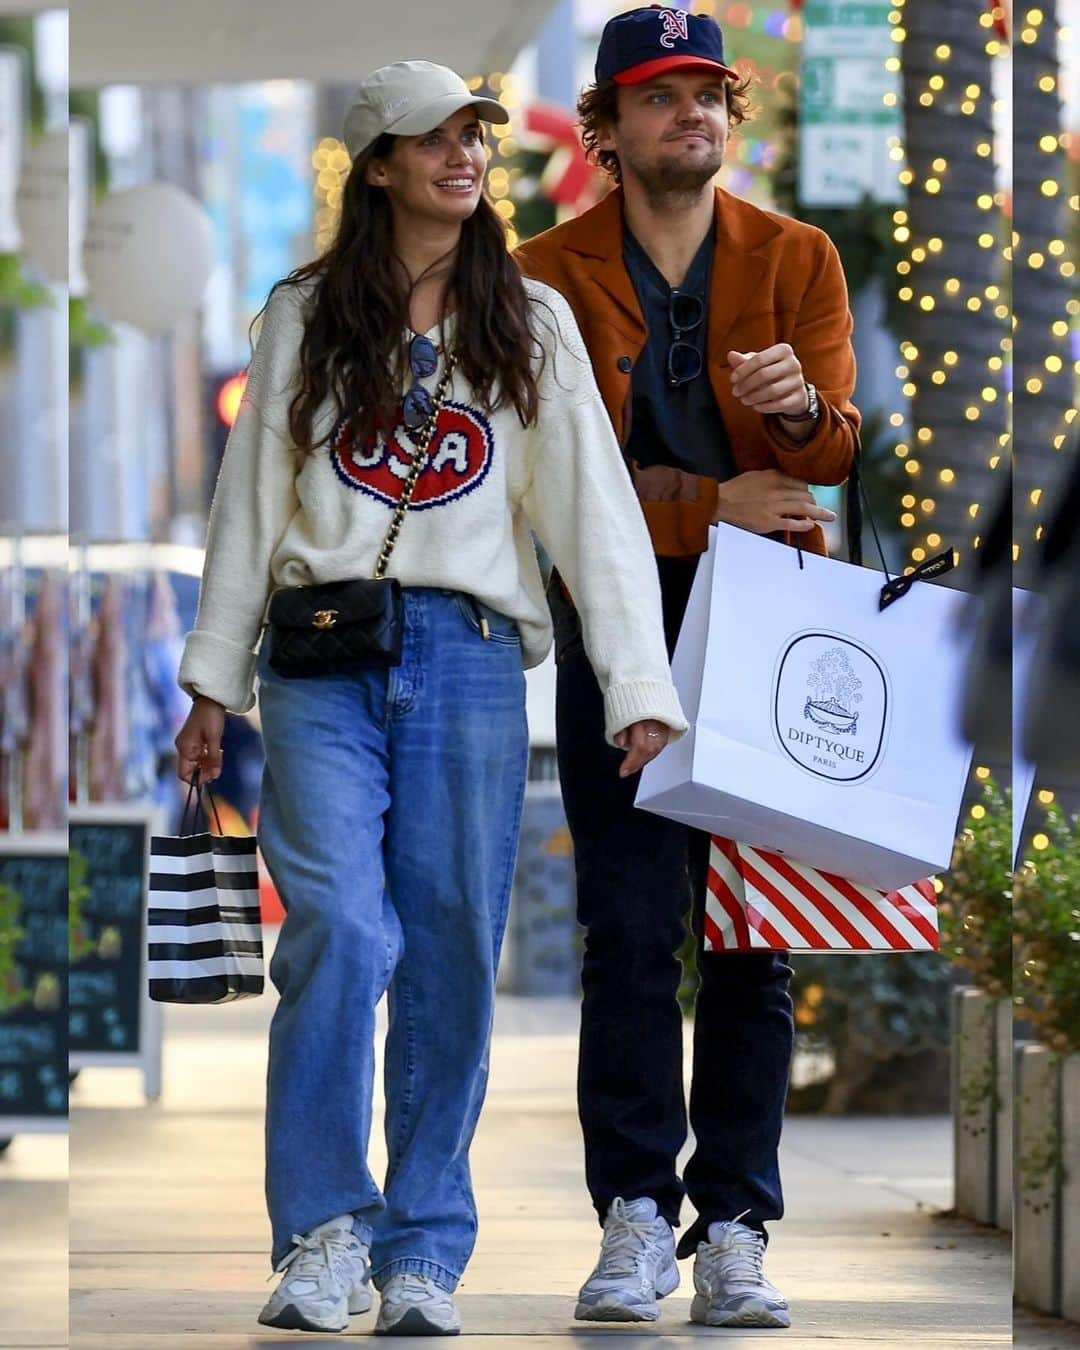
[423,362]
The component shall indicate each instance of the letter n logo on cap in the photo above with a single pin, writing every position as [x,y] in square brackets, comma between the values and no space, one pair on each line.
[674,25]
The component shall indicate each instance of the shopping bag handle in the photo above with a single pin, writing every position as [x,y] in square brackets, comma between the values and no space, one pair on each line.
[856,500]
[198,788]
[853,507]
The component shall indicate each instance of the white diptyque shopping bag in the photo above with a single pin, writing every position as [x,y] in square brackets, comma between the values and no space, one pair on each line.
[822,727]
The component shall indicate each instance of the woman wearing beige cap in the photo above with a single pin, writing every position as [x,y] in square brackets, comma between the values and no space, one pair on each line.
[414,410]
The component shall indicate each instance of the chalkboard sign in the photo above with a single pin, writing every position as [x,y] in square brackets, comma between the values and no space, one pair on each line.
[33,985]
[111,1019]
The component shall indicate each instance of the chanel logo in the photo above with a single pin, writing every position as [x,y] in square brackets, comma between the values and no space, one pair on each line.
[325,618]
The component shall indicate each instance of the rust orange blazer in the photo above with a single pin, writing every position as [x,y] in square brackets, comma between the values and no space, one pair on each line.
[773,280]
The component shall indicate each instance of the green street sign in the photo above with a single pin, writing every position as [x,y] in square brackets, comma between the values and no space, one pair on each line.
[845,124]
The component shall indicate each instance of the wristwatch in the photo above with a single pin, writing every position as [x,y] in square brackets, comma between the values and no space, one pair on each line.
[813,411]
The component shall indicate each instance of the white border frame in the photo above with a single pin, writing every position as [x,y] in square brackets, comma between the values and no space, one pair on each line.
[52,843]
[151,1021]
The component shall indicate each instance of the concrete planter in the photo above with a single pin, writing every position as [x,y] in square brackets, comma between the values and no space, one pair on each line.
[1070,1190]
[974,1094]
[1038,1250]
[1003,1116]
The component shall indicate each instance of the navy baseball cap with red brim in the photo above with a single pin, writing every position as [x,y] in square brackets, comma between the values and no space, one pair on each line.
[643,44]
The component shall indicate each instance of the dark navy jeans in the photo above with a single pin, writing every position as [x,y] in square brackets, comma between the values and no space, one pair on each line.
[637,877]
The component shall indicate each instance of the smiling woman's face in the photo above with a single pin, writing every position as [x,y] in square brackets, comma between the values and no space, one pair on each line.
[438,176]
[672,131]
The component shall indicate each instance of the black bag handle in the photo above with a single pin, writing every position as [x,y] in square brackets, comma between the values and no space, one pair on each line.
[853,507]
[856,502]
[855,499]
[198,788]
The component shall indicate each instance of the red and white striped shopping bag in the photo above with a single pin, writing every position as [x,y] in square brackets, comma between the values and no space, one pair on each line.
[760,901]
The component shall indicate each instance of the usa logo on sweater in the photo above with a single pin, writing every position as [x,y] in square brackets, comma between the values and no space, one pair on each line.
[458,459]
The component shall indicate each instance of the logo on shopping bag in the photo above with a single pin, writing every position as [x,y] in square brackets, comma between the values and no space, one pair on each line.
[831,706]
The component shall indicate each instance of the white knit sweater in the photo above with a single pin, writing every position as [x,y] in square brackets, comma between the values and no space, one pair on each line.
[280,518]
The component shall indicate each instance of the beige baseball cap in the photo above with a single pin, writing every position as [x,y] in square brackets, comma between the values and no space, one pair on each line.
[407,99]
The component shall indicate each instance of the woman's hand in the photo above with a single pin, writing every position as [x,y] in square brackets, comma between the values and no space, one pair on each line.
[642,742]
[198,743]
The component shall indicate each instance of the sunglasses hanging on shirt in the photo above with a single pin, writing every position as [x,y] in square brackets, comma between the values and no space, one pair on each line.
[684,360]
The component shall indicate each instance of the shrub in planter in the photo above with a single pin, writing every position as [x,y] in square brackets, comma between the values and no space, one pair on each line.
[1046,928]
[975,914]
[975,903]
[1046,924]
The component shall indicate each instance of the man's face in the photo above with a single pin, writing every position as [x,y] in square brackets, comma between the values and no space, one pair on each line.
[672,131]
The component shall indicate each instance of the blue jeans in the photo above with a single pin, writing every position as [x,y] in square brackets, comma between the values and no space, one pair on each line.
[391,804]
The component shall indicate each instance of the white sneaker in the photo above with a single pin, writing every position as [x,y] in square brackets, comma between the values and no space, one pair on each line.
[730,1286]
[326,1279]
[636,1266]
[414,1305]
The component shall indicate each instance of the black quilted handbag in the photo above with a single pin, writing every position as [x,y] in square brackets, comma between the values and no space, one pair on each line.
[337,628]
[341,627]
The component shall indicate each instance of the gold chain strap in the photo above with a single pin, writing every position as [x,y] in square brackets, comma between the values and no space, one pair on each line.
[419,459]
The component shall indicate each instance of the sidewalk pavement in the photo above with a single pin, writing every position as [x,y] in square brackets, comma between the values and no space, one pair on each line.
[168,1232]
[1032,1331]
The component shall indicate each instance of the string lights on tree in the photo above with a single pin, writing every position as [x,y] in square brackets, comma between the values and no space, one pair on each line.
[953,276]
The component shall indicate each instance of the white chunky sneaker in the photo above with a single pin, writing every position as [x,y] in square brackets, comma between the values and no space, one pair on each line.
[325,1280]
[636,1266]
[414,1305]
[730,1286]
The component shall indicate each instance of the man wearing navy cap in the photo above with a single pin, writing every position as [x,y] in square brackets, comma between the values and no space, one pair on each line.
[720,339]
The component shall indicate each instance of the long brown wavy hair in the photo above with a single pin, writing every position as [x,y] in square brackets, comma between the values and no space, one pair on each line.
[598,108]
[352,348]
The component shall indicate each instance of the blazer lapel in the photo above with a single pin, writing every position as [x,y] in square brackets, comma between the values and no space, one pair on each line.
[612,277]
[739,267]
[597,236]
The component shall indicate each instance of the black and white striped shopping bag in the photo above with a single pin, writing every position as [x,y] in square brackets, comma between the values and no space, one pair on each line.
[203,926]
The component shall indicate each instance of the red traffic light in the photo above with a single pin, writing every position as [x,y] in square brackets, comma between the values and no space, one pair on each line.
[229,396]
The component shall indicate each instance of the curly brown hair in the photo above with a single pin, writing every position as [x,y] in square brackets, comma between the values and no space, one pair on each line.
[352,348]
[598,107]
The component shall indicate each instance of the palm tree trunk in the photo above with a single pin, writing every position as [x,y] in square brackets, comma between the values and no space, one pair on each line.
[955,285]
[1042,282]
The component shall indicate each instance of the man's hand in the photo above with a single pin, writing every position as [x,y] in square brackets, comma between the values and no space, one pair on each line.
[770,381]
[198,742]
[765,500]
[642,742]
[662,483]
